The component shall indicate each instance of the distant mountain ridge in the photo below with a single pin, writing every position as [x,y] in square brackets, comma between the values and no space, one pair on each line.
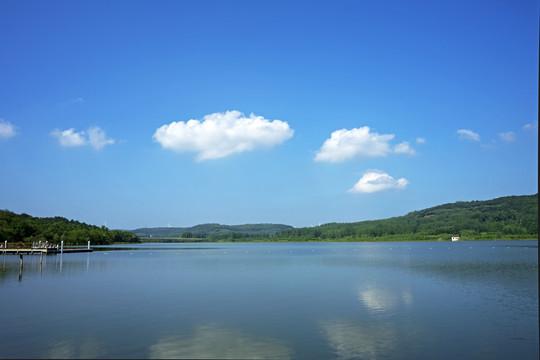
[211,230]
[509,217]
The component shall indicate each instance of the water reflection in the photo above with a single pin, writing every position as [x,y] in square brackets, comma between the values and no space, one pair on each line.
[384,299]
[303,301]
[215,341]
[85,348]
[353,341]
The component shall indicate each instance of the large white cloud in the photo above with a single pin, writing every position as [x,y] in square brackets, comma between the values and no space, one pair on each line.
[7,129]
[96,138]
[359,143]
[222,134]
[376,180]
[466,134]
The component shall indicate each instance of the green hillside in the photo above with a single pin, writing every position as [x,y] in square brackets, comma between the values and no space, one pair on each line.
[23,228]
[511,217]
[212,231]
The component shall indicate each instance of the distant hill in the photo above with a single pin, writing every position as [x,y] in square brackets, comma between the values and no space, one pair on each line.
[212,231]
[510,217]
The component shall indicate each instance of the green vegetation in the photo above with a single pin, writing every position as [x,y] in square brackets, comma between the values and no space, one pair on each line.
[511,217]
[212,232]
[27,229]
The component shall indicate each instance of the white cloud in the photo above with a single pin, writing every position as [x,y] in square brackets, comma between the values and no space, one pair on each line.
[491,145]
[420,140]
[222,134]
[70,138]
[531,127]
[98,139]
[72,101]
[376,180]
[7,129]
[358,143]
[465,134]
[508,136]
[404,148]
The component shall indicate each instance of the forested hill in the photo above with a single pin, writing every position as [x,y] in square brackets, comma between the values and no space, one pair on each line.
[511,217]
[212,231]
[23,228]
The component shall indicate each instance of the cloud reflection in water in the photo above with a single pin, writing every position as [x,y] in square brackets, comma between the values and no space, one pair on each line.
[353,341]
[214,341]
[87,348]
[383,300]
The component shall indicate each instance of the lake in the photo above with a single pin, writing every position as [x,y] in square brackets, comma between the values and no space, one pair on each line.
[387,300]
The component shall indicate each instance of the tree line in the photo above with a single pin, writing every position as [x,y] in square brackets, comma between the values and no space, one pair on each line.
[511,217]
[213,232]
[23,228]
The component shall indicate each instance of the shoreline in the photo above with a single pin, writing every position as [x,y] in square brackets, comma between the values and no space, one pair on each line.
[313,241]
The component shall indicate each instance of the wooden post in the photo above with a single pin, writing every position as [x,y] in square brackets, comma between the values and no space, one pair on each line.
[20,255]
[89,245]
[62,247]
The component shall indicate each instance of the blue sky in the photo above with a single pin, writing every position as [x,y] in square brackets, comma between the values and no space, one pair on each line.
[150,113]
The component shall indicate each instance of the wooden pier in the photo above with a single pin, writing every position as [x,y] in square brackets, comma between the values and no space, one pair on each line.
[46,251]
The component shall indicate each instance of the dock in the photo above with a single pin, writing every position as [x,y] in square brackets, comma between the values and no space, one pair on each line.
[46,251]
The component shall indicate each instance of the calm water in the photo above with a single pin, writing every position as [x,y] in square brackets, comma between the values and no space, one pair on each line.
[422,300]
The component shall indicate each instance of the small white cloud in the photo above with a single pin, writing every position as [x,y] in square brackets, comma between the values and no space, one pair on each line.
[98,139]
[404,148]
[491,145]
[358,143]
[75,101]
[508,136]
[7,129]
[420,140]
[222,134]
[376,180]
[78,100]
[531,127]
[465,134]
[70,138]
